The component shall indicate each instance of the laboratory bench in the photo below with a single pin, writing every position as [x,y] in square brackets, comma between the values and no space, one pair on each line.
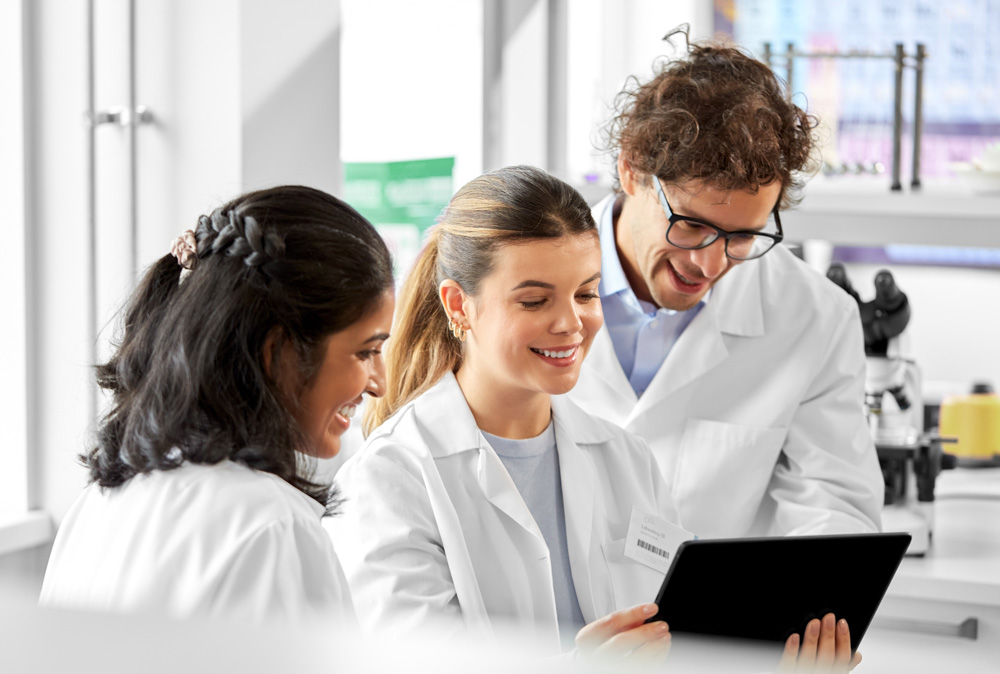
[942,610]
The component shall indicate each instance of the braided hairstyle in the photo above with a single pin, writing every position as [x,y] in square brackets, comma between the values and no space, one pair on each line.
[188,379]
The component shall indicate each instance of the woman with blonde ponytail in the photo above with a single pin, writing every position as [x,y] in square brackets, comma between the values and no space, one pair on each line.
[483,496]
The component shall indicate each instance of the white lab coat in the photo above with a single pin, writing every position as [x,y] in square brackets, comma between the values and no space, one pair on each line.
[218,540]
[433,527]
[756,417]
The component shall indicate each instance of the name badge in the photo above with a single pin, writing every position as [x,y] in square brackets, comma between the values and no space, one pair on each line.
[652,540]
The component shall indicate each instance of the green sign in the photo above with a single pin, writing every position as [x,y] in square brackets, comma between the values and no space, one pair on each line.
[402,199]
[400,192]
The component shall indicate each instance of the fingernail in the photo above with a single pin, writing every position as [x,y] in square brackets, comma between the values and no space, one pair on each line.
[842,626]
[662,627]
[812,629]
[828,621]
[649,609]
[793,641]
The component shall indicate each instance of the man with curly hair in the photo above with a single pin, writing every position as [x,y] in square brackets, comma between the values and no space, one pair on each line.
[740,366]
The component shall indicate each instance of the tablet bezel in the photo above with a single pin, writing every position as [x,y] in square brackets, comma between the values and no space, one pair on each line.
[878,555]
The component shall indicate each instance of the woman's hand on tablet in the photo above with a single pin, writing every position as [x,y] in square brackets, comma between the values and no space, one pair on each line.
[625,634]
[825,646]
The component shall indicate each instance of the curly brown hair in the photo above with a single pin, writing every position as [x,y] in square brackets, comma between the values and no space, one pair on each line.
[717,116]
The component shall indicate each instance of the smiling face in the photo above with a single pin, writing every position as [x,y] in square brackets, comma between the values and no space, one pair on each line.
[535,317]
[352,365]
[671,277]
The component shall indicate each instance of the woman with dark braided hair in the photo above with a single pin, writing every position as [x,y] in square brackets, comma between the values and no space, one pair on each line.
[243,357]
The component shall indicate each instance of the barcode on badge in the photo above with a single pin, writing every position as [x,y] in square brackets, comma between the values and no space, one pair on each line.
[652,548]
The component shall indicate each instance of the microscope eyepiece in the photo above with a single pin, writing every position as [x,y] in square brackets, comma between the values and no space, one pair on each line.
[838,274]
[888,296]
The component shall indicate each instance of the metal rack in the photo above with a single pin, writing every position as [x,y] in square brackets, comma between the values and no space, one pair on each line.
[902,60]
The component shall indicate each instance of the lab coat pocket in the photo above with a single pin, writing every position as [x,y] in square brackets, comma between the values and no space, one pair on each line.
[633,583]
[724,470]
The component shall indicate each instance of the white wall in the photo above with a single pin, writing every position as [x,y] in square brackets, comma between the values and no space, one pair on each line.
[289,76]
[954,326]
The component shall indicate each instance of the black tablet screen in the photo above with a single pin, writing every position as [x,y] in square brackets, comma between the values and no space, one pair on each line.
[768,588]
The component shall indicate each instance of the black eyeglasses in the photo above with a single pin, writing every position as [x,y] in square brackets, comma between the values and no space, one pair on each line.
[692,233]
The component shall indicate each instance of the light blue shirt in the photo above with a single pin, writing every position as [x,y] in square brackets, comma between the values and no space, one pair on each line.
[533,464]
[642,333]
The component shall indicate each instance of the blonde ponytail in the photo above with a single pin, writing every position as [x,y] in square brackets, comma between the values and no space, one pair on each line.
[422,350]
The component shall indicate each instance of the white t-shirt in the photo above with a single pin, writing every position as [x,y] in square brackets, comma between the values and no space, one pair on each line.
[210,540]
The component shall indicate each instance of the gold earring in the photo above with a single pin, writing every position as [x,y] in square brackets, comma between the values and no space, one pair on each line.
[457,330]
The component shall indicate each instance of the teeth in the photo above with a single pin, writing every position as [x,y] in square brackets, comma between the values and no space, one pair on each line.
[555,354]
[347,411]
[684,280]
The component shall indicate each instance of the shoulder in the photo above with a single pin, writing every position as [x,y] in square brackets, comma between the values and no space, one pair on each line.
[780,296]
[436,424]
[247,498]
[789,284]
[590,430]
[257,515]
[396,448]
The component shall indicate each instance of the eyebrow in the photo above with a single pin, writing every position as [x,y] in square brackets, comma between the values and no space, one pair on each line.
[548,286]
[380,337]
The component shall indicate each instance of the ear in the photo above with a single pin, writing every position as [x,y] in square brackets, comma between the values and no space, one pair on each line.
[278,355]
[270,342]
[454,301]
[626,176]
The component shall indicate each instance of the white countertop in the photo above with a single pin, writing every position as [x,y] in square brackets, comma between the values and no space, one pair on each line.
[963,563]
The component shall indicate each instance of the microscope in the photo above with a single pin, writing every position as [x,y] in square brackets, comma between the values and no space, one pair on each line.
[910,458]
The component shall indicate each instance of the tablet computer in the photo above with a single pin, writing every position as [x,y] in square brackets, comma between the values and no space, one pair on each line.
[768,588]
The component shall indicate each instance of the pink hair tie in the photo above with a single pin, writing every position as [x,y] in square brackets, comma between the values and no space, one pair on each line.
[185,249]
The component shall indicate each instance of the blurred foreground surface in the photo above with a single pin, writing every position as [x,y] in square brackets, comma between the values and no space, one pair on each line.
[46,641]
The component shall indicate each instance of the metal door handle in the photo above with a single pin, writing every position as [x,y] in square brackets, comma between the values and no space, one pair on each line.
[122,116]
[968,628]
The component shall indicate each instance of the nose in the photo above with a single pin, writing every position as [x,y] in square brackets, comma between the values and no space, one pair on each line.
[711,260]
[376,378]
[568,320]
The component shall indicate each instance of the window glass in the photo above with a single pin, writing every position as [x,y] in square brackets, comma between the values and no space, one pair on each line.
[412,82]
[854,97]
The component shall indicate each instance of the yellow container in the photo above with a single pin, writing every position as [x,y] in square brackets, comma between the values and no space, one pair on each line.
[975,421]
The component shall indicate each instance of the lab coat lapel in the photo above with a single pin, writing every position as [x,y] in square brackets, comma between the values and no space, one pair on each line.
[453,429]
[734,309]
[500,490]
[579,484]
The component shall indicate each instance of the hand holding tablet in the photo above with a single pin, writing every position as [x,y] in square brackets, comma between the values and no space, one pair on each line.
[825,645]
[785,586]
